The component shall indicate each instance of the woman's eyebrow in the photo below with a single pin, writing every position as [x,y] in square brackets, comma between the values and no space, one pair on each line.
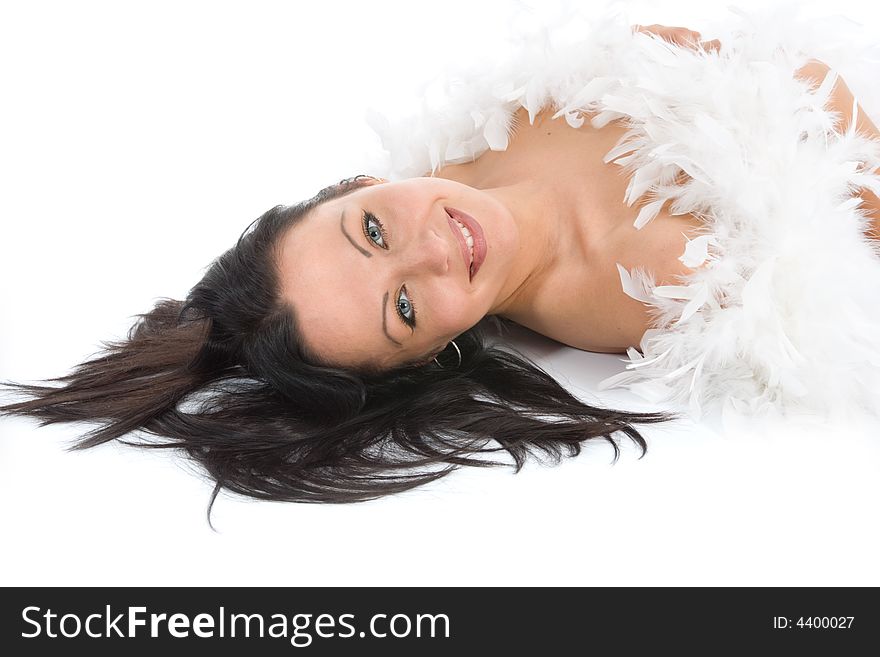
[385,297]
[349,237]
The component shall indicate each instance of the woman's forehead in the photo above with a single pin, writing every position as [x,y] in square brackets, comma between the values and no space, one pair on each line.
[342,310]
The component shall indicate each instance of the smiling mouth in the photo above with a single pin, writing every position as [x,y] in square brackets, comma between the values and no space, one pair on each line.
[465,241]
[472,240]
[469,240]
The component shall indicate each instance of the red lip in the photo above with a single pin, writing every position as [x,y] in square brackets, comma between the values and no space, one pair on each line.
[462,245]
[476,232]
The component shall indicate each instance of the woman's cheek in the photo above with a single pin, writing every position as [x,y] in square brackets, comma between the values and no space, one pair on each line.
[452,312]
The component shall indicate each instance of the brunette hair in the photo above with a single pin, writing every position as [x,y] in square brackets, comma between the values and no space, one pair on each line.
[225,377]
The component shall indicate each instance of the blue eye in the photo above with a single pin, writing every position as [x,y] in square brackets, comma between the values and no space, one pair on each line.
[375,232]
[406,309]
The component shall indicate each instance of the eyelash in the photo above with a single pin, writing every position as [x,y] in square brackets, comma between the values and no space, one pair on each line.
[368,217]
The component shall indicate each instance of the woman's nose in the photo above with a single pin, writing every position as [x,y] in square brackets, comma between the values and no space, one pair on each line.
[430,255]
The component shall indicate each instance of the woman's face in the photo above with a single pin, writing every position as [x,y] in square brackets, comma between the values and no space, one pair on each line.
[377,277]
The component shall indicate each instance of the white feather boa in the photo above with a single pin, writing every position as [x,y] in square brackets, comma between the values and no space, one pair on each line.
[784,316]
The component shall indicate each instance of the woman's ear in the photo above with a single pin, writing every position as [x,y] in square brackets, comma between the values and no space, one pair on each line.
[426,360]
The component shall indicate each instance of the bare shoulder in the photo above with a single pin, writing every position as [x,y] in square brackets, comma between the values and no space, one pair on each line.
[842,101]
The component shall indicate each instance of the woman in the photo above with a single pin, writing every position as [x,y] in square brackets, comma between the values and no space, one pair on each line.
[336,353]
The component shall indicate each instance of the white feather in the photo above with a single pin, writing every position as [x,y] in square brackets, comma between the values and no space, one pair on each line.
[698,300]
[648,212]
[634,285]
[696,251]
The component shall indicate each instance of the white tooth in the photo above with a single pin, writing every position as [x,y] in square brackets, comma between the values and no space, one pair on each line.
[463,228]
[470,242]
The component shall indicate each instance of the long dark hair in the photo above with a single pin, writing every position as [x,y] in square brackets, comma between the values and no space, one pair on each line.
[225,377]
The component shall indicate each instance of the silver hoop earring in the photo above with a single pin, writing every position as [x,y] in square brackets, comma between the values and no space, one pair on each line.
[459,356]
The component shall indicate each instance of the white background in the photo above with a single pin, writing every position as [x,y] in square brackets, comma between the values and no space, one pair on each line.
[137,140]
